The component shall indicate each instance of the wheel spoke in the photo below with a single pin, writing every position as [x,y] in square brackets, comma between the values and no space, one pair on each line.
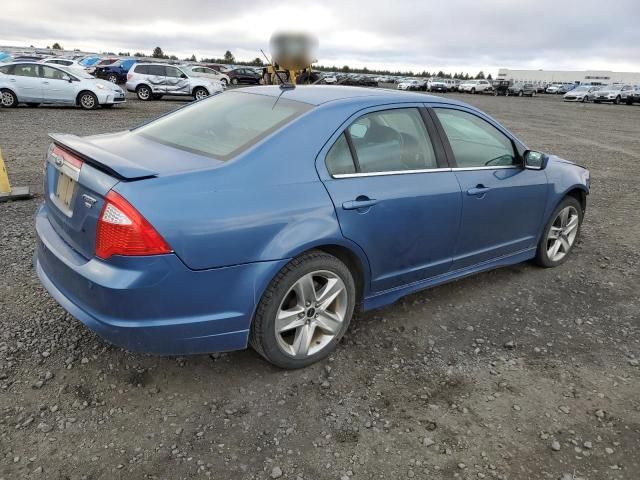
[554,232]
[329,293]
[305,290]
[564,217]
[328,322]
[302,340]
[565,244]
[289,319]
[553,251]
[571,225]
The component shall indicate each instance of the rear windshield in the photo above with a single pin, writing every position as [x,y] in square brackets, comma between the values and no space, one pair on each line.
[224,125]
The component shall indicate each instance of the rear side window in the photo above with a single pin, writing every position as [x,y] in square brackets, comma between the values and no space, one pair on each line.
[224,125]
[142,69]
[157,70]
[26,70]
[6,69]
[392,140]
[474,141]
[339,160]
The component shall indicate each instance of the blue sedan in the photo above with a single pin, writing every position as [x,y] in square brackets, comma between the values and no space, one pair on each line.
[267,216]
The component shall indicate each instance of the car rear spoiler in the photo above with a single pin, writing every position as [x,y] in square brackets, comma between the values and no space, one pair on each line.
[114,165]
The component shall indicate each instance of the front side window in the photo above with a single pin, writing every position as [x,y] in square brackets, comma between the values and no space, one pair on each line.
[392,140]
[224,125]
[26,70]
[52,73]
[474,141]
[173,72]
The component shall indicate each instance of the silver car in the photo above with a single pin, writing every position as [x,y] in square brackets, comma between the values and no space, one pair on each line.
[34,83]
[206,72]
[612,93]
[151,81]
[583,93]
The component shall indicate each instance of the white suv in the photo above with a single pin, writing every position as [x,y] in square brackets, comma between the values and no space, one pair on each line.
[474,86]
[151,81]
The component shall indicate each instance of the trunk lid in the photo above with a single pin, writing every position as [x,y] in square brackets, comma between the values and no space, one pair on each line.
[79,172]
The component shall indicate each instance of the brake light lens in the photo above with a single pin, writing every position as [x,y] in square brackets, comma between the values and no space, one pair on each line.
[129,75]
[123,231]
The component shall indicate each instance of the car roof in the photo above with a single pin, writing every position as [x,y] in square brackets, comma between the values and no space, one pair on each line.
[320,94]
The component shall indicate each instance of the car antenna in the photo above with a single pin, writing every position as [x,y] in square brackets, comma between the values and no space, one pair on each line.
[283,85]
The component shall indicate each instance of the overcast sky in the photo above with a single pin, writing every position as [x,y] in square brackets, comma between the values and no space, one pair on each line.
[452,35]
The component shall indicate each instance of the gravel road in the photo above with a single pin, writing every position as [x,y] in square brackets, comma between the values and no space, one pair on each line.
[521,373]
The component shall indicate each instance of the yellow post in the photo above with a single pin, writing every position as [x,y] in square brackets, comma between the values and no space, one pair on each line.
[6,192]
[5,186]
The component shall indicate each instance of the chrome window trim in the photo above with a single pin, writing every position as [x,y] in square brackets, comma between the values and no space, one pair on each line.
[423,170]
[390,172]
[497,167]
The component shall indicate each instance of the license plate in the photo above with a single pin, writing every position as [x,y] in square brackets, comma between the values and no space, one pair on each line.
[64,190]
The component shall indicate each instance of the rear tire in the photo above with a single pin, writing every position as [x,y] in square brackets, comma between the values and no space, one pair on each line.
[617,100]
[322,324]
[88,100]
[144,93]
[8,99]
[545,253]
[224,82]
[473,91]
[520,93]
[113,78]
[234,81]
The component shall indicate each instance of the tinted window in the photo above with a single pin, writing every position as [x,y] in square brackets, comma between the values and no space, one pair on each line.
[25,70]
[173,72]
[224,125]
[156,70]
[52,73]
[392,140]
[6,69]
[142,69]
[475,142]
[339,160]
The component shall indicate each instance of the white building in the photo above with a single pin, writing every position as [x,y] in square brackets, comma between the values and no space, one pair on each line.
[594,77]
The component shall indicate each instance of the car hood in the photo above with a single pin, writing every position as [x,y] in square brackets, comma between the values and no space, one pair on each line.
[563,161]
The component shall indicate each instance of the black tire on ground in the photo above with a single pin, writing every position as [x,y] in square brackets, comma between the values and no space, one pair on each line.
[200,93]
[113,78]
[473,91]
[263,336]
[234,81]
[144,92]
[8,98]
[224,81]
[88,100]
[585,99]
[520,93]
[542,257]
[617,100]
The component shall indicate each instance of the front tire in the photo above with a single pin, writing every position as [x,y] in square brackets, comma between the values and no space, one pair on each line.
[305,311]
[8,99]
[234,81]
[113,78]
[561,233]
[617,100]
[88,101]
[473,91]
[200,93]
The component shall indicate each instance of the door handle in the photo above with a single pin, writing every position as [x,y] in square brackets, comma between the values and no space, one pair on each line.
[359,203]
[45,83]
[479,190]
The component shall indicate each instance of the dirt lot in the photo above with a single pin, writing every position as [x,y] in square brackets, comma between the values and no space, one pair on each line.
[520,373]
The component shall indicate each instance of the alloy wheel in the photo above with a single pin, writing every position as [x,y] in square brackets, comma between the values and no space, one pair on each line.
[562,233]
[88,101]
[144,93]
[201,93]
[311,314]
[7,99]
[113,79]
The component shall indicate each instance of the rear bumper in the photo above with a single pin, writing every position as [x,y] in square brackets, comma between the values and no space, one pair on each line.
[152,304]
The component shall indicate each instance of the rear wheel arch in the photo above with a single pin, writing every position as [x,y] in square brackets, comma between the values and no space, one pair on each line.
[353,263]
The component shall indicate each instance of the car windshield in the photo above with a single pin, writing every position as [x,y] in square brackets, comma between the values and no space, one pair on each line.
[76,72]
[224,125]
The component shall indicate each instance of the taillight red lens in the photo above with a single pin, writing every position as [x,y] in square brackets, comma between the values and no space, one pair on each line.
[123,231]
[129,76]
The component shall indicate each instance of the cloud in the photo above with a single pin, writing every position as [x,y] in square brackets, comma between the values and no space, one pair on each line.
[452,35]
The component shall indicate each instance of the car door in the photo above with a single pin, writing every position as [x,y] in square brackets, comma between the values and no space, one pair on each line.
[177,82]
[57,86]
[156,77]
[26,83]
[502,202]
[394,195]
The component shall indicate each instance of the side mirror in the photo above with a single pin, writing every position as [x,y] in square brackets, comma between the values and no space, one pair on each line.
[535,160]
[67,78]
[184,75]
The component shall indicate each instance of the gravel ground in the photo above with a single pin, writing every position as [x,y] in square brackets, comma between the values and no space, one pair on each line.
[520,373]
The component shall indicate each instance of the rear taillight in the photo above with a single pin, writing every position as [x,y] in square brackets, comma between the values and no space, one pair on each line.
[129,75]
[123,231]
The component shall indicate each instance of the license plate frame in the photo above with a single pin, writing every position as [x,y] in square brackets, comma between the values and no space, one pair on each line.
[65,191]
